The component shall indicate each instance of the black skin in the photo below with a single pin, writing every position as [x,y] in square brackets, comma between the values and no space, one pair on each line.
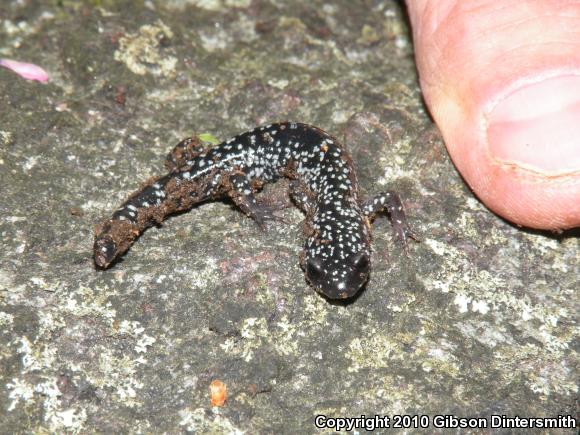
[336,256]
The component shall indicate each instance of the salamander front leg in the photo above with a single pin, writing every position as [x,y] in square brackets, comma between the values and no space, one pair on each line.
[392,203]
[302,196]
[239,189]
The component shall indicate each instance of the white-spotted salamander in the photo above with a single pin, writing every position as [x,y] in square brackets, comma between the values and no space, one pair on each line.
[336,256]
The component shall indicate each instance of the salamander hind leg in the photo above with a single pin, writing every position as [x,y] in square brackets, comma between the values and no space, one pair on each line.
[238,188]
[392,203]
[185,151]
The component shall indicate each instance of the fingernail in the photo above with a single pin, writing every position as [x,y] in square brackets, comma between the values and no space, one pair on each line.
[537,127]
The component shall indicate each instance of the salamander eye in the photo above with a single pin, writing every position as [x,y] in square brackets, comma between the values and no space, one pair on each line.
[314,268]
[361,262]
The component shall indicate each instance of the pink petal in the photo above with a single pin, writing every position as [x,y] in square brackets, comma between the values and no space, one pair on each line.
[29,71]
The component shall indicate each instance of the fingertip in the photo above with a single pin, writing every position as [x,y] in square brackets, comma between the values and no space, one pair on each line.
[506,98]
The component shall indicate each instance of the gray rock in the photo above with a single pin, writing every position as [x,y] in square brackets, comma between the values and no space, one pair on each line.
[479,319]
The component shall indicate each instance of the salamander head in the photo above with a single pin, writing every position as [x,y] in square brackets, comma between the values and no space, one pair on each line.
[340,280]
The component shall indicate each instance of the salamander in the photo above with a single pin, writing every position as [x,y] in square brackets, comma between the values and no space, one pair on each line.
[336,257]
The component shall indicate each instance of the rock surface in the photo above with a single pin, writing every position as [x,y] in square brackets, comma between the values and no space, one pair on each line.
[479,319]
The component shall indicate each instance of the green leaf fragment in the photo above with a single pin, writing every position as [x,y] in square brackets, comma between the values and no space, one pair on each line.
[208,137]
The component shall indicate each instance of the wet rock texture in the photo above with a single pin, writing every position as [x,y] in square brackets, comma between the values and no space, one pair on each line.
[479,319]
